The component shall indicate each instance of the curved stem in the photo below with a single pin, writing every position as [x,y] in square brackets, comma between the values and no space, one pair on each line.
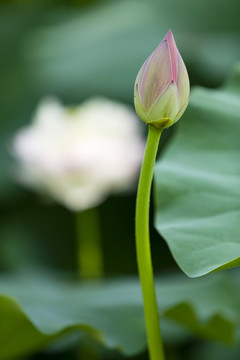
[90,257]
[143,246]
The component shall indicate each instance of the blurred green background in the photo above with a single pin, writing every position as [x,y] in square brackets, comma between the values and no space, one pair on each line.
[76,49]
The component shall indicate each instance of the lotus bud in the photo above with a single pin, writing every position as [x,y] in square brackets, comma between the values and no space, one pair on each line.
[162,87]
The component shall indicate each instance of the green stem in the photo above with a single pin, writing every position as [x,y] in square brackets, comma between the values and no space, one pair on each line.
[90,257]
[143,246]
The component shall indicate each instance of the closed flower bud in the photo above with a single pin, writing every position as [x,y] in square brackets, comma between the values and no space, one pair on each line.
[162,88]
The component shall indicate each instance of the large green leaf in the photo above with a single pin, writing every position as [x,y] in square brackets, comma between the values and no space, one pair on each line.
[35,310]
[198,183]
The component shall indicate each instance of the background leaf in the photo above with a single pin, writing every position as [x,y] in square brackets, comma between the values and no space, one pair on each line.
[216,351]
[100,49]
[198,183]
[35,310]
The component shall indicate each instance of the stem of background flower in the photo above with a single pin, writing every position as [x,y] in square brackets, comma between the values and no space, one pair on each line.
[144,259]
[90,259]
[90,256]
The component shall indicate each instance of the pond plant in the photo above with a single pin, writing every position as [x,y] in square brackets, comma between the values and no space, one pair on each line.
[68,155]
[161,97]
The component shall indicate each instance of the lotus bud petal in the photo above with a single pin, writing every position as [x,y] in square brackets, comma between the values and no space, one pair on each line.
[162,87]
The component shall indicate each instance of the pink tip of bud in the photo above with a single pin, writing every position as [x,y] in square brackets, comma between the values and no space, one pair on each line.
[173,51]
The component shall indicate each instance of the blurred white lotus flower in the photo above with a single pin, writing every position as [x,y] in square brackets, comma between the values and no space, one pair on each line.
[80,155]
